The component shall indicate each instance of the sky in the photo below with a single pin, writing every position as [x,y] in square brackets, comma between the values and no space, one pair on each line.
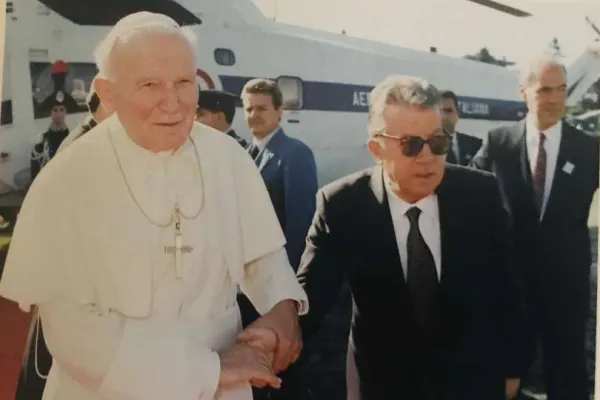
[454,27]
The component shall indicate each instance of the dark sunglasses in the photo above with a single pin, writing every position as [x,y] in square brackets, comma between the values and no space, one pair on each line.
[411,146]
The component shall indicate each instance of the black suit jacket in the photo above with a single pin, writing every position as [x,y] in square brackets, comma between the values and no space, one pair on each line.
[467,148]
[352,237]
[554,253]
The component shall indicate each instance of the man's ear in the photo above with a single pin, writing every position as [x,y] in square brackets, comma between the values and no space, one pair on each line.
[376,149]
[104,88]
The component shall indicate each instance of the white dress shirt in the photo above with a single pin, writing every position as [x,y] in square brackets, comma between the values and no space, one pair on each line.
[551,145]
[429,225]
[455,149]
[262,143]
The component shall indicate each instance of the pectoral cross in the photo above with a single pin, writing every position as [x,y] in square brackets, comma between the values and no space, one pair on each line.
[179,248]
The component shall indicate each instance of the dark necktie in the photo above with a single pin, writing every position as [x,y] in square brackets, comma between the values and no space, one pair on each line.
[422,276]
[253,151]
[539,173]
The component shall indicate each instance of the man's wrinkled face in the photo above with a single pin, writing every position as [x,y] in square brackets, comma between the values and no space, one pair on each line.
[417,176]
[154,91]
[546,97]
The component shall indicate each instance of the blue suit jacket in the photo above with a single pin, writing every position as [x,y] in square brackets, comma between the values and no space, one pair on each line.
[289,171]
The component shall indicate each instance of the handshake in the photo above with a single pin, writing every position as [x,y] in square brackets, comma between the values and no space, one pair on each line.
[265,348]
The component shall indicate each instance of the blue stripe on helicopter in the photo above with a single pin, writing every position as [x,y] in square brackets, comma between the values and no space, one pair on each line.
[342,97]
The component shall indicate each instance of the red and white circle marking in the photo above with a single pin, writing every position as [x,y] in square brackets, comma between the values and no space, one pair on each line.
[204,80]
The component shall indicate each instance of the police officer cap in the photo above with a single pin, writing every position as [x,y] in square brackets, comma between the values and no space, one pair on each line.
[216,100]
[58,99]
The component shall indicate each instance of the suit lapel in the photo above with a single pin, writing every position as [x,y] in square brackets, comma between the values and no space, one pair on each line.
[450,157]
[463,148]
[264,157]
[450,223]
[519,139]
[381,227]
[519,142]
[566,153]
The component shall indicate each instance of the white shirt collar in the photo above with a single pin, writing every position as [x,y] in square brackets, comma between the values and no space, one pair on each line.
[553,134]
[262,143]
[428,205]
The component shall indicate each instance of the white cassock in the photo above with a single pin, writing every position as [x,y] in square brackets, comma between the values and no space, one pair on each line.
[117,321]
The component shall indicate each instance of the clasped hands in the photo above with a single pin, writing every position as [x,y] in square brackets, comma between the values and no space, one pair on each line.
[262,350]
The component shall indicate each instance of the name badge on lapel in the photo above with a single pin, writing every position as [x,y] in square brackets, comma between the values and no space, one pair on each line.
[568,168]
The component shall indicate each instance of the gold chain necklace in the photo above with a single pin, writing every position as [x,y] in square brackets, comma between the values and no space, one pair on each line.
[177,212]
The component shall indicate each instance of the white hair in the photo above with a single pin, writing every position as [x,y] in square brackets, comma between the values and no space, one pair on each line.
[133,26]
[399,90]
[530,72]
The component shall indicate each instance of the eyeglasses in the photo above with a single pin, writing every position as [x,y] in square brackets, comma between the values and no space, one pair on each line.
[411,146]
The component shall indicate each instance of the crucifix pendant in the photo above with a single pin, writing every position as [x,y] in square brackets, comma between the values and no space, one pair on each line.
[178,249]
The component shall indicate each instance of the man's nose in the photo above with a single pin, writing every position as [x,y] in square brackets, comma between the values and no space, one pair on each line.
[170,101]
[425,154]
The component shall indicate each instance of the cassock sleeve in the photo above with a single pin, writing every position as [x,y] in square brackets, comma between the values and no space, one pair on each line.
[126,358]
[269,280]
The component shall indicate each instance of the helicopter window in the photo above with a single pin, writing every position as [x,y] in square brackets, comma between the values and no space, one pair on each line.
[224,57]
[291,88]
[76,84]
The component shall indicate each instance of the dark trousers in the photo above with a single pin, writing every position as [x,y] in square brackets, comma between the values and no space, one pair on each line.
[476,385]
[31,385]
[561,333]
[455,383]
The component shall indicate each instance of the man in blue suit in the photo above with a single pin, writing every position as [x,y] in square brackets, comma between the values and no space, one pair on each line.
[289,171]
[286,164]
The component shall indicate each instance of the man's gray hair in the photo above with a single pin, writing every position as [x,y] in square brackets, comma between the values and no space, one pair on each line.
[135,25]
[530,72]
[399,90]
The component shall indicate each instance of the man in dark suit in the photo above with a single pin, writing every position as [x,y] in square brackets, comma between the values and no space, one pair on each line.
[426,250]
[289,171]
[464,146]
[217,110]
[549,174]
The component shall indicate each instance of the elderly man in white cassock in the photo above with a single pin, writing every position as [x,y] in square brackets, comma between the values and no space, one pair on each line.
[132,242]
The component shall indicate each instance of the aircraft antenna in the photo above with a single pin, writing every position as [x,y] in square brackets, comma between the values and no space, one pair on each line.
[592,25]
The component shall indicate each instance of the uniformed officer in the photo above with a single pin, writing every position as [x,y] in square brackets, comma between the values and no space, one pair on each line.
[50,140]
[217,109]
